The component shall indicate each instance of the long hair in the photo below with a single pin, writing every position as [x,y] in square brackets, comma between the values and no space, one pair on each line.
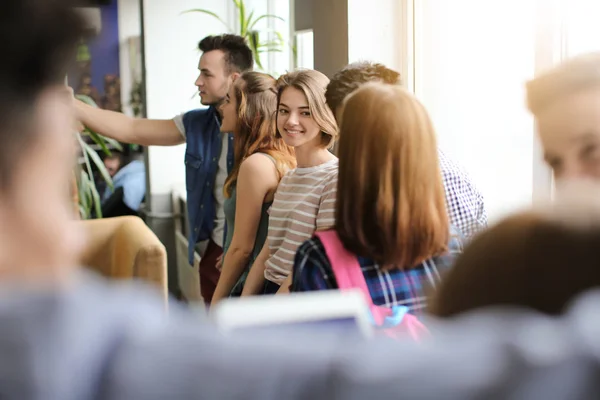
[390,198]
[313,84]
[256,99]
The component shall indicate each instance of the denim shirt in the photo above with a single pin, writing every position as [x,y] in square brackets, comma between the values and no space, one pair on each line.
[203,148]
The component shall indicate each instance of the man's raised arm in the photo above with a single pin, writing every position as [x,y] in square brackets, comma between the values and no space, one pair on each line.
[145,132]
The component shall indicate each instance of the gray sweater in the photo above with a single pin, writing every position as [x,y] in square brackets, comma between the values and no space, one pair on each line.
[100,341]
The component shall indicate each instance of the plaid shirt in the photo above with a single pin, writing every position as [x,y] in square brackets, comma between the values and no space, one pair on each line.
[465,203]
[312,271]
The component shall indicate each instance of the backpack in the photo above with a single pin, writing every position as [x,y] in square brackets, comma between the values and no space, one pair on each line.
[393,322]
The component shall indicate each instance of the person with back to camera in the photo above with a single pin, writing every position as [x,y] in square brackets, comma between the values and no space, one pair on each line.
[390,213]
[465,203]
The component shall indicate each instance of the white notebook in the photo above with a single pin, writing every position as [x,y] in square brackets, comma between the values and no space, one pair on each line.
[328,310]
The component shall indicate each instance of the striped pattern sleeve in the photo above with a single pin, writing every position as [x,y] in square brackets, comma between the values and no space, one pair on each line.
[326,214]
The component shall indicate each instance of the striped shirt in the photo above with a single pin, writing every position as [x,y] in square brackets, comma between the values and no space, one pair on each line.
[304,202]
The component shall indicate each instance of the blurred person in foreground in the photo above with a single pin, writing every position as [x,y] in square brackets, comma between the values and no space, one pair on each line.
[540,259]
[69,337]
[565,102]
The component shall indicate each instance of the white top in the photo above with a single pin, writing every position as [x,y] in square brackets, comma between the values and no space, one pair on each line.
[304,202]
[219,229]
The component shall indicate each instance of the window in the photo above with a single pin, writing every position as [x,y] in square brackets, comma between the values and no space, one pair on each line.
[472,58]
[305,50]
[582,31]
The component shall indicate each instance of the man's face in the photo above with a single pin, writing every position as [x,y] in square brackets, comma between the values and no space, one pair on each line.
[38,235]
[569,130]
[214,80]
[112,165]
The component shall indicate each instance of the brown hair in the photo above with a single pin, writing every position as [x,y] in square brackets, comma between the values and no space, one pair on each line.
[39,39]
[538,259]
[313,84]
[575,74]
[352,76]
[390,198]
[238,56]
[256,100]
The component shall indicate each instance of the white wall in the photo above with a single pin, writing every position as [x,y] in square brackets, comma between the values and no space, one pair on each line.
[171,59]
[473,58]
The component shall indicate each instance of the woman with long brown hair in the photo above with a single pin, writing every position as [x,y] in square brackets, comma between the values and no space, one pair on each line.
[261,159]
[390,212]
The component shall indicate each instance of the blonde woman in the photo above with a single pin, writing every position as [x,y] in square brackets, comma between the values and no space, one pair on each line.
[261,159]
[391,208]
[305,199]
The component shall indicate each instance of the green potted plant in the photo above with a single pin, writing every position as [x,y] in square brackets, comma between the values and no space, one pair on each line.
[247,28]
[90,203]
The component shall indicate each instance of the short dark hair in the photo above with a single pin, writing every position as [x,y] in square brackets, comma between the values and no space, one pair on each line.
[39,38]
[238,55]
[352,76]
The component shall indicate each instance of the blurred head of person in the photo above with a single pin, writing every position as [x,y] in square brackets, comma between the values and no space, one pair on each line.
[38,241]
[390,204]
[565,102]
[539,259]
[114,162]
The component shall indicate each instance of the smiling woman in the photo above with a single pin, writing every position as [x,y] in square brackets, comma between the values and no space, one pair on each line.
[305,198]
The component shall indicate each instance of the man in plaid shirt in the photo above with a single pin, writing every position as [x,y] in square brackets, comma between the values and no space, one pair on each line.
[465,203]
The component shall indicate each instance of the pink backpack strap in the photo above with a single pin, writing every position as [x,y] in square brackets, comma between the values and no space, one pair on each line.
[347,271]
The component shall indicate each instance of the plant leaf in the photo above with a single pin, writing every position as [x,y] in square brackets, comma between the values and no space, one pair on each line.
[83,191]
[98,140]
[208,12]
[89,178]
[253,41]
[113,142]
[97,202]
[100,165]
[86,99]
[265,16]
[247,22]
[242,11]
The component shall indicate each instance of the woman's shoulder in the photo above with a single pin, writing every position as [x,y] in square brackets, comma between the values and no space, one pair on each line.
[257,163]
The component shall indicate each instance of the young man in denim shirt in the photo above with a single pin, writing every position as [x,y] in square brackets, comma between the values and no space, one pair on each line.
[209,154]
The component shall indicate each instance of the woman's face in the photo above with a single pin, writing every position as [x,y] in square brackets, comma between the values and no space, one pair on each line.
[294,120]
[229,110]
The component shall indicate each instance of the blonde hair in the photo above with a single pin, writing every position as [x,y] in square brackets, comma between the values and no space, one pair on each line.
[575,74]
[313,84]
[256,99]
[390,199]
